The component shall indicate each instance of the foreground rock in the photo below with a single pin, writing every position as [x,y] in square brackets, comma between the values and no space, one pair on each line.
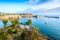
[25,33]
[32,34]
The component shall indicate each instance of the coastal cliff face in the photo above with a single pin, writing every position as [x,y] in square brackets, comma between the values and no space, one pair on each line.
[26,35]
[21,34]
[18,33]
[31,35]
[9,16]
[14,16]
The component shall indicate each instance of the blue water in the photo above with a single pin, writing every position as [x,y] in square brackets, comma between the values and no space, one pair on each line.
[47,26]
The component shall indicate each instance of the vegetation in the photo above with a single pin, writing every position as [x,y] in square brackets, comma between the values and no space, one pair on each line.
[11,33]
[15,32]
[28,22]
[5,22]
[21,37]
[14,22]
[10,30]
[2,35]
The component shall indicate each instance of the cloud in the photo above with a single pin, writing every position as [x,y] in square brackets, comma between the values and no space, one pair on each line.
[49,8]
[50,12]
[42,7]
[49,5]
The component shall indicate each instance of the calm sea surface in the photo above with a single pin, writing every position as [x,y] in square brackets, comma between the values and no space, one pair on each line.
[48,26]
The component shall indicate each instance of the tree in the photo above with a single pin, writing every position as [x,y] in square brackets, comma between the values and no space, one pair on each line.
[28,22]
[5,22]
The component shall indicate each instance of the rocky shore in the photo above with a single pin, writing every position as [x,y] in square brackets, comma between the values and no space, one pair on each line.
[16,31]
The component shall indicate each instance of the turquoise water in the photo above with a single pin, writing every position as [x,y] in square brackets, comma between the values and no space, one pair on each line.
[48,26]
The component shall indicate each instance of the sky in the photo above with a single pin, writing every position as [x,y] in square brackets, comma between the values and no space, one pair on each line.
[40,7]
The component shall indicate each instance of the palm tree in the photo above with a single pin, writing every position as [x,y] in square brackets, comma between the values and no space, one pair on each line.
[5,22]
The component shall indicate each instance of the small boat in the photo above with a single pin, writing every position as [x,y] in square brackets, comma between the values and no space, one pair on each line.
[45,23]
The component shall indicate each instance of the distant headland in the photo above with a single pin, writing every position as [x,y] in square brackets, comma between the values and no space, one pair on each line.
[21,15]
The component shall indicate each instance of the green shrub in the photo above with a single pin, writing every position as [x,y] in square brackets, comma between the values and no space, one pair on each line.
[14,22]
[28,22]
[20,37]
[2,35]
[15,31]
[10,30]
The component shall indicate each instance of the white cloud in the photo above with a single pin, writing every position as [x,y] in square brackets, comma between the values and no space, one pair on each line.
[33,8]
[46,8]
[50,5]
